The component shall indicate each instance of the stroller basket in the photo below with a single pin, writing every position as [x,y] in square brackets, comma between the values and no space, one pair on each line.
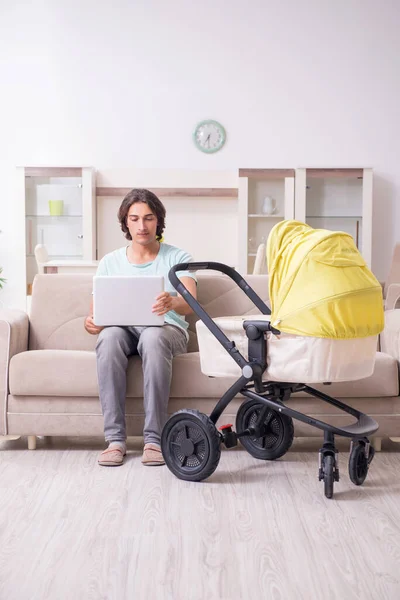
[262,358]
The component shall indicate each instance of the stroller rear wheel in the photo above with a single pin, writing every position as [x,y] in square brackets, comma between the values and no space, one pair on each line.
[190,445]
[276,435]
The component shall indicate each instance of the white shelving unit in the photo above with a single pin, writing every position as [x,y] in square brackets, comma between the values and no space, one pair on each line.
[69,235]
[253,225]
[337,199]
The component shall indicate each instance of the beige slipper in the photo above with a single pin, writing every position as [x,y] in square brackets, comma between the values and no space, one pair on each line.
[152,456]
[111,457]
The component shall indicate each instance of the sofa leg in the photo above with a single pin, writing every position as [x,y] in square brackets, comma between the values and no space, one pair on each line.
[31,442]
[377,443]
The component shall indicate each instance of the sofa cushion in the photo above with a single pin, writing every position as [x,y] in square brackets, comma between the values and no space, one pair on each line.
[61,302]
[73,373]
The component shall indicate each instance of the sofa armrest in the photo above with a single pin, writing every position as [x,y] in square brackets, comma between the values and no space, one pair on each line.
[393,296]
[14,328]
[390,336]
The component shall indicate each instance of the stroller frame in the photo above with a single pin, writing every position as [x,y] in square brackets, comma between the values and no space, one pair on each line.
[269,399]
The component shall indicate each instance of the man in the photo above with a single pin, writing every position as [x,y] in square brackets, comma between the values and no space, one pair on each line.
[142,219]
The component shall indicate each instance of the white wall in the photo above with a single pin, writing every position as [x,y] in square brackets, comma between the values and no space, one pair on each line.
[207,228]
[312,83]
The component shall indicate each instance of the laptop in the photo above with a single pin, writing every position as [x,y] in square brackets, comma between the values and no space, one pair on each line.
[124,300]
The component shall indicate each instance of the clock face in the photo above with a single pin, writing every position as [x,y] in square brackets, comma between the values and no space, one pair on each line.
[209,136]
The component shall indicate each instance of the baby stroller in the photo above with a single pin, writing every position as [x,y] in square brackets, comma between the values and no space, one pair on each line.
[326,313]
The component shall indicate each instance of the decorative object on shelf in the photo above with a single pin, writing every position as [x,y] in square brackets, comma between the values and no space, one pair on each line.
[252,245]
[41,256]
[56,207]
[268,206]
[260,263]
[209,136]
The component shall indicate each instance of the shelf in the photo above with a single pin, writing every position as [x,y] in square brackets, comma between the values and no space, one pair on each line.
[172,192]
[53,171]
[53,216]
[60,185]
[266,174]
[319,173]
[262,216]
[60,256]
[333,217]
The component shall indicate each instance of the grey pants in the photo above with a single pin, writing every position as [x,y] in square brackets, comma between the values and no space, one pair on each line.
[156,346]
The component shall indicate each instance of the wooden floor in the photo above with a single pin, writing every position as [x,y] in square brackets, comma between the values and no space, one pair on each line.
[70,529]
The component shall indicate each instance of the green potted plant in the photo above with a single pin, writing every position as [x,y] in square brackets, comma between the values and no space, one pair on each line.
[2,280]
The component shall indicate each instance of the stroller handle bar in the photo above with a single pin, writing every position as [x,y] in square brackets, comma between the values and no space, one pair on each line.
[201,313]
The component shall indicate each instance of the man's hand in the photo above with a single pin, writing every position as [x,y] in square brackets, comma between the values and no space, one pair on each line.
[164,303]
[91,327]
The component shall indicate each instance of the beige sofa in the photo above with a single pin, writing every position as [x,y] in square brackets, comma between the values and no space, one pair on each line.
[48,379]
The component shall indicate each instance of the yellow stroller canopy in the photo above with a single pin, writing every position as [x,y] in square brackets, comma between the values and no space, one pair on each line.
[319,284]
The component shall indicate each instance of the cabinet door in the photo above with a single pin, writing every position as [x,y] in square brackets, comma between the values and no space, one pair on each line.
[338,200]
[59,208]
[53,212]
[266,197]
[89,216]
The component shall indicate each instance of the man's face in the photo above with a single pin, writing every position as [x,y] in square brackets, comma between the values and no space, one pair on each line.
[142,224]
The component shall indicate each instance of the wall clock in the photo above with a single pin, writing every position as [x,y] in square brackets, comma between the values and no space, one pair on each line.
[209,136]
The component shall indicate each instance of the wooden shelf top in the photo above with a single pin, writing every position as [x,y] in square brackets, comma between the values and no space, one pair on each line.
[317,173]
[173,192]
[262,216]
[53,171]
[266,173]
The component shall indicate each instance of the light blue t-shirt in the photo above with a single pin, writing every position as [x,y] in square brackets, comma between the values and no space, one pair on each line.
[117,263]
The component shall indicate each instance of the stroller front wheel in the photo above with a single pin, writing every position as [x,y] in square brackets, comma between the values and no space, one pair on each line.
[191,445]
[359,463]
[328,466]
[277,431]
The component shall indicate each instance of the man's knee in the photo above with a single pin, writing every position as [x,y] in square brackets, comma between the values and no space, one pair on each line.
[110,338]
[154,340]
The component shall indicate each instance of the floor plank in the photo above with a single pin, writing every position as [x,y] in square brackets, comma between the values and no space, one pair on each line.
[70,529]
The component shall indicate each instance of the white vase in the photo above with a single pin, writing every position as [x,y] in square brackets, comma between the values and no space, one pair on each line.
[268,206]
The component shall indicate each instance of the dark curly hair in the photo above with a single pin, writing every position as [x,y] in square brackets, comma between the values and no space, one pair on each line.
[154,203]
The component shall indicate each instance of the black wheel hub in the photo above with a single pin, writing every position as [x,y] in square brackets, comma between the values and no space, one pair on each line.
[187,447]
[269,432]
